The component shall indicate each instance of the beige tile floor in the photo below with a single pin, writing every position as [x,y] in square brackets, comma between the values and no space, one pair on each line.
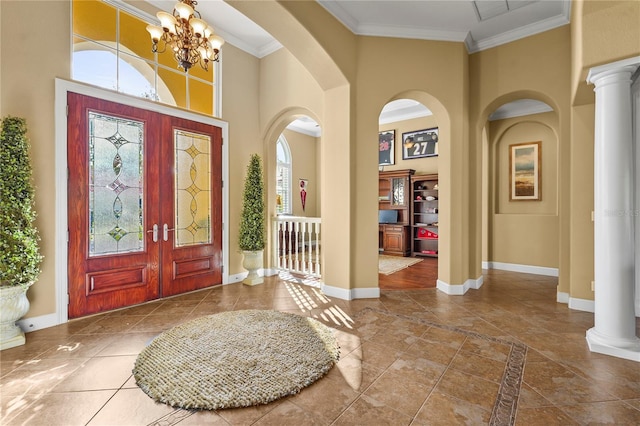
[410,357]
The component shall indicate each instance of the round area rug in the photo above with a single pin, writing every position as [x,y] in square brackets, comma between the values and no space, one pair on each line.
[235,359]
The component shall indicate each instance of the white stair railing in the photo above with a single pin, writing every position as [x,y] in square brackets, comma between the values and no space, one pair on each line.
[296,244]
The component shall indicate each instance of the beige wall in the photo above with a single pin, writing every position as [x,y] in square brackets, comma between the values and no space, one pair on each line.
[27,88]
[514,71]
[303,156]
[582,195]
[602,32]
[441,86]
[240,89]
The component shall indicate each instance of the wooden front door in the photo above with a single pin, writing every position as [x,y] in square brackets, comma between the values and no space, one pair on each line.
[144,205]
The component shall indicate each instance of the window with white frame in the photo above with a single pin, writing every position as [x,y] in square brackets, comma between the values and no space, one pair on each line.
[283,177]
[112,49]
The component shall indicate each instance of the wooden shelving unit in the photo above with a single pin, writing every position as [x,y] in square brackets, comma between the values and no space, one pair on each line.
[394,193]
[424,221]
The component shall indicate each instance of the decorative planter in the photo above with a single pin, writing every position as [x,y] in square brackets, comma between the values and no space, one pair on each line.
[13,306]
[252,262]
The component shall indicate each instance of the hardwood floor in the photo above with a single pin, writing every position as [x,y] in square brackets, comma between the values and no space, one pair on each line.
[419,276]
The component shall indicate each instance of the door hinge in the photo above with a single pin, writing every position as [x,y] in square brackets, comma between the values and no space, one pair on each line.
[68,299]
[222,269]
[67,110]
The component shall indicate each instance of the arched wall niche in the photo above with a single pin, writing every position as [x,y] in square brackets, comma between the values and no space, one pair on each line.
[520,235]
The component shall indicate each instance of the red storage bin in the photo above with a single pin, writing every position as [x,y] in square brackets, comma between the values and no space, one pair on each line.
[425,233]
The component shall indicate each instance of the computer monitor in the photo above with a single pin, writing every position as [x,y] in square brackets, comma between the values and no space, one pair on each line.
[387,216]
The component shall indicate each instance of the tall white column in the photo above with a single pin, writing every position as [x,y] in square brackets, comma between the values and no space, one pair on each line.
[614,330]
[635,111]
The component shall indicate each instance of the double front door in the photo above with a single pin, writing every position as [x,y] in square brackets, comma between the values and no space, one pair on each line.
[144,205]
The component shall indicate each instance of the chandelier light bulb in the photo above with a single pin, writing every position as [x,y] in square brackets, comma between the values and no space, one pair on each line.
[184,10]
[216,42]
[208,32]
[199,26]
[167,21]
[156,32]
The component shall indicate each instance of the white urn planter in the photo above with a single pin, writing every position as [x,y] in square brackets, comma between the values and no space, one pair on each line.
[13,306]
[252,262]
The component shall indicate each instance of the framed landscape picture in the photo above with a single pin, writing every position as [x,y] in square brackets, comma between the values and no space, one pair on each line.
[386,144]
[525,177]
[420,143]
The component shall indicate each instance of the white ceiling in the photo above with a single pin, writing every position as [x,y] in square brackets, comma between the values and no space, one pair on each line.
[480,24]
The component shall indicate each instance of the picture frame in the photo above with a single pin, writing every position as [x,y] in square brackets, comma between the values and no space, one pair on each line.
[525,171]
[420,143]
[386,146]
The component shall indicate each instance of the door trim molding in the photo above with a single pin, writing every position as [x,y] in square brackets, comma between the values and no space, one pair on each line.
[61,226]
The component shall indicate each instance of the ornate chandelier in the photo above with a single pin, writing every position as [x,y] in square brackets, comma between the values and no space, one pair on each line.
[189,37]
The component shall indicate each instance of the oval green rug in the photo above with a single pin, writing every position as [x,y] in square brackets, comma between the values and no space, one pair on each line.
[235,359]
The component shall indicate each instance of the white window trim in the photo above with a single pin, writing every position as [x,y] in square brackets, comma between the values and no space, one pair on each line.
[288,166]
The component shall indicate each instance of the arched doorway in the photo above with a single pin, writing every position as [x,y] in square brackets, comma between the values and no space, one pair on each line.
[408,225]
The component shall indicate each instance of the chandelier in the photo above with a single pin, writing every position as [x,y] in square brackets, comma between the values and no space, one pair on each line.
[189,37]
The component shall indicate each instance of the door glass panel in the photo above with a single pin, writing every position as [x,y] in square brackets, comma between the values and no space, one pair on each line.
[115,185]
[397,189]
[193,188]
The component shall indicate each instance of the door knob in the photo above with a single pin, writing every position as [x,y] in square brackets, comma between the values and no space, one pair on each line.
[165,232]
[155,232]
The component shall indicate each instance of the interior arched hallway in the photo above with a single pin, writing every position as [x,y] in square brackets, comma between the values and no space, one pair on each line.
[520,235]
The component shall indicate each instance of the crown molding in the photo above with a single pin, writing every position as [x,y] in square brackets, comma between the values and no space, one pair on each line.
[517,34]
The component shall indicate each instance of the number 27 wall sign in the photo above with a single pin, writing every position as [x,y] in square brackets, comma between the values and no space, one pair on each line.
[420,143]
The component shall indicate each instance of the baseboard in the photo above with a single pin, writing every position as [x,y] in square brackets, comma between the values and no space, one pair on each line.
[525,269]
[562,297]
[340,293]
[38,323]
[582,305]
[365,293]
[351,294]
[269,272]
[575,303]
[236,278]
[459,289]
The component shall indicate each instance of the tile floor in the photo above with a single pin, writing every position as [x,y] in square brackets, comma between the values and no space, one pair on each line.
[411,357]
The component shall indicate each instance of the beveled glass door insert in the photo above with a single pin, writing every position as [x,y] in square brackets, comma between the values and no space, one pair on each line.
[192,188]
[116,185]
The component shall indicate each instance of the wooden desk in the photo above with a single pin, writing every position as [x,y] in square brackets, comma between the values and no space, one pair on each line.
[393,239]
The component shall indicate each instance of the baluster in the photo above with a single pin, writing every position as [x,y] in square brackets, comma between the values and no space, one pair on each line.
[318,245]
[303,233]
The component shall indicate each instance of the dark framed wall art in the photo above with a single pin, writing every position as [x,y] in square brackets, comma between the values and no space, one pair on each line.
[386,144]
[420,143]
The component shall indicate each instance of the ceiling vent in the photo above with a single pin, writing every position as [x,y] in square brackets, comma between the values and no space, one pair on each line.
[487,9]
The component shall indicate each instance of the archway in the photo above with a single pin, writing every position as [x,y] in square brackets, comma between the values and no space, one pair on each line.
[521,232]
[294,188]
[402,124]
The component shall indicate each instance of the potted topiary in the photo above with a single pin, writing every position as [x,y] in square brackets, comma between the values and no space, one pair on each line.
[19,252]
[251,238]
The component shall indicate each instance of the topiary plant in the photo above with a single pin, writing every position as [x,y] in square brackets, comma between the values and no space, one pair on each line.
[19,252]
[252,217]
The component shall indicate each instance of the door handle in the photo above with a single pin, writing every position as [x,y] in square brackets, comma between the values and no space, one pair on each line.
[165,232]
[155,232]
